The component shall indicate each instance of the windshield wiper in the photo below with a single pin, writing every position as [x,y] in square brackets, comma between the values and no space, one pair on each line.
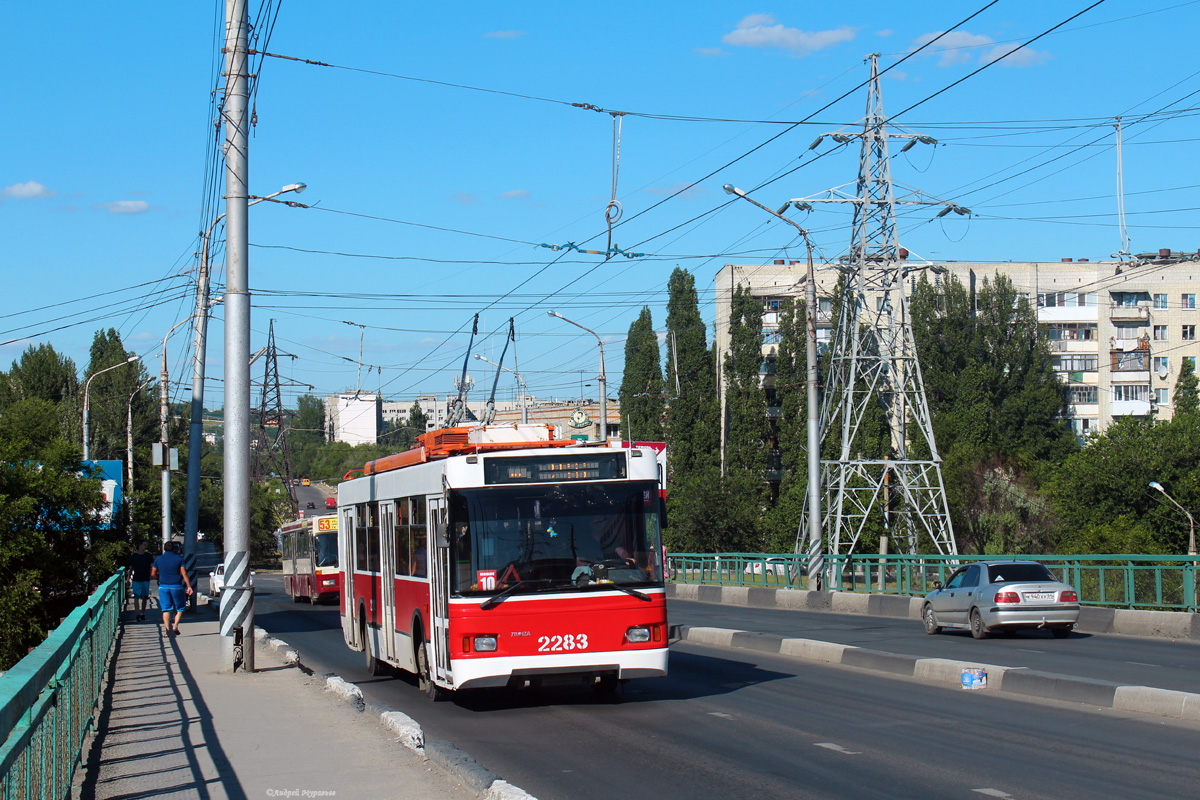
[497,599]
[627,590]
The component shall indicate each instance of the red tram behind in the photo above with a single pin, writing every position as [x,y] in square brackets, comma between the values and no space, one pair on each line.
[498,556]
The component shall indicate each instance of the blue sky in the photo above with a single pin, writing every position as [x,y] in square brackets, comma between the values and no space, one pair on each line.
[105,184]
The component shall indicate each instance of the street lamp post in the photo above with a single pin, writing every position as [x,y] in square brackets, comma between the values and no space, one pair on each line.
[129,447]
[164,421]
[191,518]
[520,384]
[87,447]
[1191,520]
[603,383]
[816,565]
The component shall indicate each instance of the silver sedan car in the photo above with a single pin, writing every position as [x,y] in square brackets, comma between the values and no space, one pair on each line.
[1001,595]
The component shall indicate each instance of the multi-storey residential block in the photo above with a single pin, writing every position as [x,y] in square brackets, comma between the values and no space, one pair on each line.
[1118,332]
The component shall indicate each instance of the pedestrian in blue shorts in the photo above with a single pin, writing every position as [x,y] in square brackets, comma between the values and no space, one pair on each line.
[172,578]
[140,564]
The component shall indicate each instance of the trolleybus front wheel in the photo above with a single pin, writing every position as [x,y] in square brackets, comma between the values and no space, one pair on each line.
[424,677]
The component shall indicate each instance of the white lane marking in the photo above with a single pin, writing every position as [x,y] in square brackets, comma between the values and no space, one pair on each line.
[992,792]
[720,714]
[1024,650]
[837,748]
[1142,664]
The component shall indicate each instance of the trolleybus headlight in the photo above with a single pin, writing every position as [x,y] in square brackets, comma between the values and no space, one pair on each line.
[328,582]
[637,635]
[485,644]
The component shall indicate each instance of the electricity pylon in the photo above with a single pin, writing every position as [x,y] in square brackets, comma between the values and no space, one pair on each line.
[270,440]
[874,361]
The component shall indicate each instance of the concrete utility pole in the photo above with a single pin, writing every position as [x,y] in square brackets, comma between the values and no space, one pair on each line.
[164,422]
[237,600]
[191,522]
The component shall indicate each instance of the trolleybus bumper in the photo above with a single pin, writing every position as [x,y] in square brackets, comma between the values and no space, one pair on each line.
[480,673]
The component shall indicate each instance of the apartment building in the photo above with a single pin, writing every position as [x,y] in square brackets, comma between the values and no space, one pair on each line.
[1119,332]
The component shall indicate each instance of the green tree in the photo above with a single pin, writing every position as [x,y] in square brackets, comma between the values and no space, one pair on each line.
[641,385]
[42,373]
[692,432]
[417,419]
[1187,401]
[745,403]
[1108,480]
[791,397]
[47,511]
[109,397]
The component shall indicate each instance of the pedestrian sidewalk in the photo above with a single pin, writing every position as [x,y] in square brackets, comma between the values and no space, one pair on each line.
[172,726]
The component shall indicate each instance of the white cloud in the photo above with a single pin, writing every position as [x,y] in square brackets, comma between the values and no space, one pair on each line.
[465,198]
[126,207]
[516,194]
[955,47]
[30,190]
[710,52]
[504,35]
[885,33]
[1025,57]
[761,30]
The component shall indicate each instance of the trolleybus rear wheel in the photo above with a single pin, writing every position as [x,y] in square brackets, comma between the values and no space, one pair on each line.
[373,664]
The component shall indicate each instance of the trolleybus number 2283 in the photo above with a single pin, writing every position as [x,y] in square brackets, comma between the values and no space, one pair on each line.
[499,556]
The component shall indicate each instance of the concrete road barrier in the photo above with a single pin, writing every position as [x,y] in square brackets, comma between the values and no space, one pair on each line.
[1011,680]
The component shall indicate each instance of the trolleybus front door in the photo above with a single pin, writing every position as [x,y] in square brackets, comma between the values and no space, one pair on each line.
[439,585]
[346,556]
[387,570]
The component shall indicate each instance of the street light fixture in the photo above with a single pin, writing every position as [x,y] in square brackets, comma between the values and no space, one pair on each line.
[603,381]
[87,448]
[815,565]
[1191,520]
[520,383]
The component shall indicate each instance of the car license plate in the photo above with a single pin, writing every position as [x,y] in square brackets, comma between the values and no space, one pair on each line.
[1038,596]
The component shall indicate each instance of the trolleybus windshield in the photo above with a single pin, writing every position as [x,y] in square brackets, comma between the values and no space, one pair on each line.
[326,547]
[555,537]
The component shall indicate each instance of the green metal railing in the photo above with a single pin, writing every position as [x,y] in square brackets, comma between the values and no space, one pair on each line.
[48,698]
[1117,581]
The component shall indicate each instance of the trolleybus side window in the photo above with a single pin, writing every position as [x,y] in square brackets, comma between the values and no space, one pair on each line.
[418,538]
[360,537]
[373,537]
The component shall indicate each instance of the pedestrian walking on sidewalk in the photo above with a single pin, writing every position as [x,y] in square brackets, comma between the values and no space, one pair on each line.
[172,578]
[140,564]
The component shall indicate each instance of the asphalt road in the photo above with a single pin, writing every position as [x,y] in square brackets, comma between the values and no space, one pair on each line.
[314,494]
[1161,663]
[738,724]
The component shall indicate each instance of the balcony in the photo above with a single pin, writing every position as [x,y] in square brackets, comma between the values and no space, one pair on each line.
[1137,315]
[1130,408]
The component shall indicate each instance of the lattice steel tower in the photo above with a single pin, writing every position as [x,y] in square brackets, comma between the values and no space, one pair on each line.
[874,361]
[270,439]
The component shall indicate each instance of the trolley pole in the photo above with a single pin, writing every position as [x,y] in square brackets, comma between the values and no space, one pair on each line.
[237,600]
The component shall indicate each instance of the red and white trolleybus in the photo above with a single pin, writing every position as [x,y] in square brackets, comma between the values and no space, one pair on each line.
[497,556]
[310,559]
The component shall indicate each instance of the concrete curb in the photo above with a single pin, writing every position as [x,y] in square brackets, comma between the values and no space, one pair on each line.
[1092,619]
[1013,680]
[445,755]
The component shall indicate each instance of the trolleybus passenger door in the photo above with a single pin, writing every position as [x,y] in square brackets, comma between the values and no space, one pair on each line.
[387,575]
[346,556]
[439,586]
